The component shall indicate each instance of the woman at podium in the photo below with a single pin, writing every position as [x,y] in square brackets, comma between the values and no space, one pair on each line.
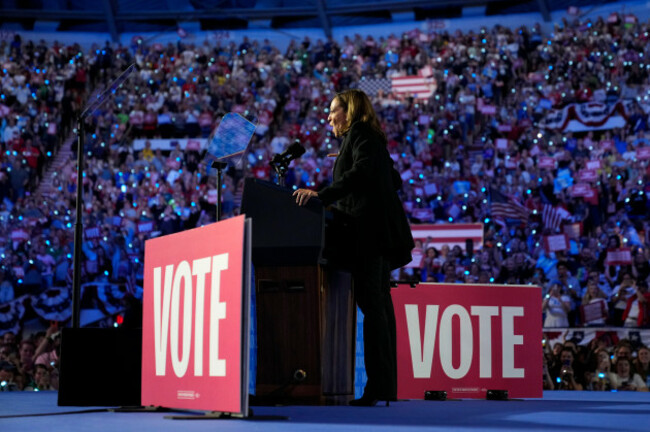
[364,189]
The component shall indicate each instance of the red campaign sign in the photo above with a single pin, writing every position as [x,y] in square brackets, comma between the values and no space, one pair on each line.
[174,163]
[466,339]
[594,313]
[580,190]
[546,162]
[423,214]
[592,196]
[502,144]
[504,128]
[621,256]
[593,165]
[19,235]
[488,110]
[643,153]
[606,145]
[556,243]
[19,271]
[591,193]
[511,162]
[193,145]
[192,325]
[32,221]
[587,175]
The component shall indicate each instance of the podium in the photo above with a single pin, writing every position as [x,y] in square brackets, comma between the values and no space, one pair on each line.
[305,312]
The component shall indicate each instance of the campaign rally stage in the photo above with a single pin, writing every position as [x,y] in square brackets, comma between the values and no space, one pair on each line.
[459,338]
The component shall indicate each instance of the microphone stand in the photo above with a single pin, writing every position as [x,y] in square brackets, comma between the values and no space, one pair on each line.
[220,166]
[78,226]
[280,162]
[281,167]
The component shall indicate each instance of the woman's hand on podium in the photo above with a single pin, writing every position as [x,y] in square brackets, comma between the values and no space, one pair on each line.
[303,196]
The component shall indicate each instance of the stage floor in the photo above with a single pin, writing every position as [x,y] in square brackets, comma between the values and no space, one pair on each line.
[577,411]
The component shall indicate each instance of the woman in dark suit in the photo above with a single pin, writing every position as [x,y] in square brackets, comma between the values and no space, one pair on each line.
[364,188]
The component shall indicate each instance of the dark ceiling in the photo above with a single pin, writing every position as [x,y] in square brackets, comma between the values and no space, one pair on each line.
[118,16]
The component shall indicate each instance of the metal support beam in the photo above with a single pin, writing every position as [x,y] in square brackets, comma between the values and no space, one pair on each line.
[216,13]
[109,7]
[544,10]
[324,19]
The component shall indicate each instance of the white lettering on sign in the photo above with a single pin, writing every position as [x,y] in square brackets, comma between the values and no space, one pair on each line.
[183,274]
[422,353]
[167,309]
[510,339]
[422,358]
[485,314]
[466,341]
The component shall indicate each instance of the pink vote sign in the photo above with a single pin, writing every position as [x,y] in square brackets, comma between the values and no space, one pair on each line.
[467,339]
[194,330]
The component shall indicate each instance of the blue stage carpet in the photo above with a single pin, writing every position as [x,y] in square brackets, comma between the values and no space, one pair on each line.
[567,411]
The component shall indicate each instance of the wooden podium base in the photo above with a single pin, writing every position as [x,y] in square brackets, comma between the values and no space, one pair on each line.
[305,336]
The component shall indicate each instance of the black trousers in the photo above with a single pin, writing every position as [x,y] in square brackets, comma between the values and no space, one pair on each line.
[371,282]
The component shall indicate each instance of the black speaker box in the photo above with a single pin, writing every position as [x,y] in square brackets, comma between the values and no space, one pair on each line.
[100,367]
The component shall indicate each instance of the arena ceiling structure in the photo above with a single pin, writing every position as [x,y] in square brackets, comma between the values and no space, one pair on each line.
[127,16]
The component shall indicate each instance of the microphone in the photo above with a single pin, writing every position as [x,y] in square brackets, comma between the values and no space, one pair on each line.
[294,151]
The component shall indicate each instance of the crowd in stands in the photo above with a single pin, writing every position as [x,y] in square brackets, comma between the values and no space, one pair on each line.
[455,156]
[600,365]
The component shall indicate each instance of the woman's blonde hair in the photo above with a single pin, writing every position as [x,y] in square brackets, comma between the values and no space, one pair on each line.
[358,108]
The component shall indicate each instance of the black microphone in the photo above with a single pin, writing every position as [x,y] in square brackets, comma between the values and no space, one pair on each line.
[294,151]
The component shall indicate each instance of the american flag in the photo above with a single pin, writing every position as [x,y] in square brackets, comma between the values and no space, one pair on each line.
[552,216]
[503,207]
[420,87]
[372,86]
[439,235]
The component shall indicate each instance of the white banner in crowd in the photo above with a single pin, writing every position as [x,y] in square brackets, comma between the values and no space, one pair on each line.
[588,116]
[171,143]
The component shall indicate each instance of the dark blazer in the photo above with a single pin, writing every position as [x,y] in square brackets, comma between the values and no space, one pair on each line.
[364,187]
